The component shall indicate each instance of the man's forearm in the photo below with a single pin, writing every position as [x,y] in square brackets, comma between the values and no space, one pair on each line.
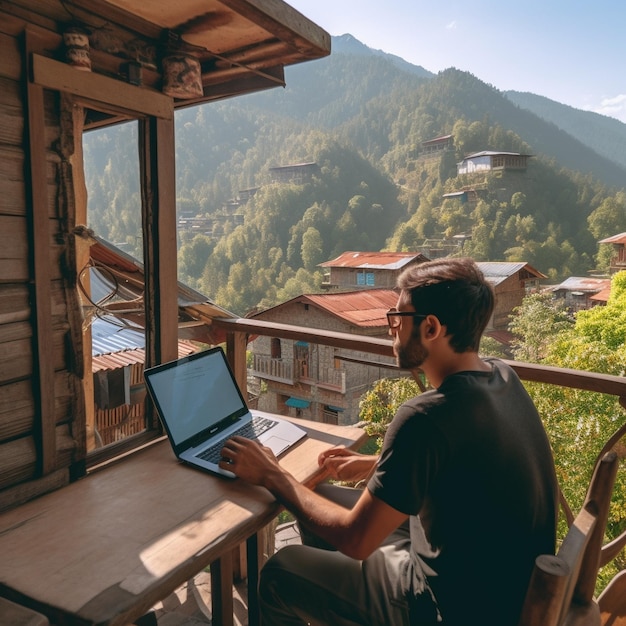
[328,520]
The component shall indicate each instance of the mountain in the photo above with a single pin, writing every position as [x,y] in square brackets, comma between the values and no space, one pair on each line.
[340,90]
[355,122]
[347,44]
[605,135]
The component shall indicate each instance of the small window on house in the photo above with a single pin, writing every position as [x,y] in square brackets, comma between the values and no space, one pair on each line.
[365,278]
[276,350]
[330,414]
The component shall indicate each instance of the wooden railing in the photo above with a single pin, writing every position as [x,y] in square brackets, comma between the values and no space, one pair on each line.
[238,329]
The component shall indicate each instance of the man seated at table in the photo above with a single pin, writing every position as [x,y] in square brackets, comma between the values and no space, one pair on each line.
[461,500]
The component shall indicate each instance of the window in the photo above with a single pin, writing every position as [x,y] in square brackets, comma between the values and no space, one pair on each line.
[276,348]
[365,279]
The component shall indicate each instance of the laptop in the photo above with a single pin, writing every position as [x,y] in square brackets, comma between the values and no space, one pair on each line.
[201,406]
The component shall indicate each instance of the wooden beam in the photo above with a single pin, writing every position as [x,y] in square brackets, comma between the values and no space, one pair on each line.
[121,96]
[158,186]
[43,382]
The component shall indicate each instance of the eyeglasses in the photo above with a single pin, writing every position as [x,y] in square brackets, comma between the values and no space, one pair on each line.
[393,317]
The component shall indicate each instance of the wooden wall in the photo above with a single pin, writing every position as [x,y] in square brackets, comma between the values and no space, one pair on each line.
[39,390]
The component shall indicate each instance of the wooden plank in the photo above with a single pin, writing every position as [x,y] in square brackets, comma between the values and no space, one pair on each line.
[17,409]
[287,24]
[14,238]
[15,331]
[11,66]
[19,494]
[121,96]
[40,242]
[11,113]
[18,461]
[16,360]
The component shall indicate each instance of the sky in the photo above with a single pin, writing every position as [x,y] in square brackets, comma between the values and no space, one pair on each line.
[571,51]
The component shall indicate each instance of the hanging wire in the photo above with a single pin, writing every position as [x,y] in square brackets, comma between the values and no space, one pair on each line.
[100,309]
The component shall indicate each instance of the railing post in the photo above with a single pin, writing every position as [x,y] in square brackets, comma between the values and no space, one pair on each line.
[236,352]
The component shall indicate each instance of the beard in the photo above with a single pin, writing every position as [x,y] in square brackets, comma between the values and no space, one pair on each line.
[412,355]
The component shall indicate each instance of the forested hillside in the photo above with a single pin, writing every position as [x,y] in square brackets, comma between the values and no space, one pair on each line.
[362,119]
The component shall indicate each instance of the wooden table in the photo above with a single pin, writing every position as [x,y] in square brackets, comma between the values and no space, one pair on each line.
[106,548]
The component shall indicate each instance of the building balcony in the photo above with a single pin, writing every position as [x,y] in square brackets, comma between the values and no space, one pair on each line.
[269,368]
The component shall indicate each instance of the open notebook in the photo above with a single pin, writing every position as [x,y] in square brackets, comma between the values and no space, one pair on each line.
[201,406]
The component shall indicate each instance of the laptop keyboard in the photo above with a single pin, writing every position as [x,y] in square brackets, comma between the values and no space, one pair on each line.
[252,430]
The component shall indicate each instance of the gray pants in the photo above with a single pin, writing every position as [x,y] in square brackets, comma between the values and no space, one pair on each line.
[313,584]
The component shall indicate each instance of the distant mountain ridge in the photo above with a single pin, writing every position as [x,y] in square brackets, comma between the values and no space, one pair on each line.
[605,135]
[333,91]
[347,44]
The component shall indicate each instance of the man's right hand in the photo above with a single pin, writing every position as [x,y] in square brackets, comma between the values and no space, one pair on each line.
[344,464]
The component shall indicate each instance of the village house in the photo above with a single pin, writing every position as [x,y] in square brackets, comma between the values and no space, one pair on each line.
[367,270]
[489,160]
[618,260]
[582,292]
[319,382]
[437,145]
[511,281]
[296,173]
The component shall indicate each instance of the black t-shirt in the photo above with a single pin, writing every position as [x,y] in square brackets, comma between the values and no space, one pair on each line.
[471,464]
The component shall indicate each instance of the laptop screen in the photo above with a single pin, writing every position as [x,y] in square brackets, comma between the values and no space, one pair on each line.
[194,394]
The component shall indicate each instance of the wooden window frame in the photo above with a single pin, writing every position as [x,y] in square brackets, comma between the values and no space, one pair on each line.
[155,114]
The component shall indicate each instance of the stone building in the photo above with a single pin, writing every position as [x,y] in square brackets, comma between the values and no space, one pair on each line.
[316,382]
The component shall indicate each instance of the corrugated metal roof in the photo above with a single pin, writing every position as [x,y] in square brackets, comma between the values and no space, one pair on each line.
[375,260]
[493,153]
[116,360]
[601,296]
[496,272]
[436,140]
[621,238]
[125,271]
[584,284]
[365,308]
[107,336]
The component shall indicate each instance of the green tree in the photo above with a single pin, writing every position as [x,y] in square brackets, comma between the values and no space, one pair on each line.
[535,324]
[312,249]
[379,405]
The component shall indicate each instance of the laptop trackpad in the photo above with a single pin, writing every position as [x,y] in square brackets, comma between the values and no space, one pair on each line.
[276,444]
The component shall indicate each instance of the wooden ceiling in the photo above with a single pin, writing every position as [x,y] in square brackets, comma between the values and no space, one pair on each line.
[242,45]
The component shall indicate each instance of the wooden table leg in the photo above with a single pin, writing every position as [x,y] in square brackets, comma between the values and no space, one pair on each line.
[253,547]
[222,591]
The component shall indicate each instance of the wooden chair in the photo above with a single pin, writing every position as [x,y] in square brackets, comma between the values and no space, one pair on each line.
[612,602]
[561,588]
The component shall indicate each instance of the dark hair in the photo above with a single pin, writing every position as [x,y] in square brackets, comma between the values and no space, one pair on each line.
[456,292]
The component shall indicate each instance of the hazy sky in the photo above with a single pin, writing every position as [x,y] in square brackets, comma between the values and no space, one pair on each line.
[571,51]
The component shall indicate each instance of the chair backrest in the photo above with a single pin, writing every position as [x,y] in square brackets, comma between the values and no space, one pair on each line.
[562,586]
[612,602]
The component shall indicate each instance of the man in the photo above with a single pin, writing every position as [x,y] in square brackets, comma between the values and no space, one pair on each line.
[462,498]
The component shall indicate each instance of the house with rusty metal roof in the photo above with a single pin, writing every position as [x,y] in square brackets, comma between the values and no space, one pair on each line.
[367,270]
[318,382]
[583,292]
[618,260]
